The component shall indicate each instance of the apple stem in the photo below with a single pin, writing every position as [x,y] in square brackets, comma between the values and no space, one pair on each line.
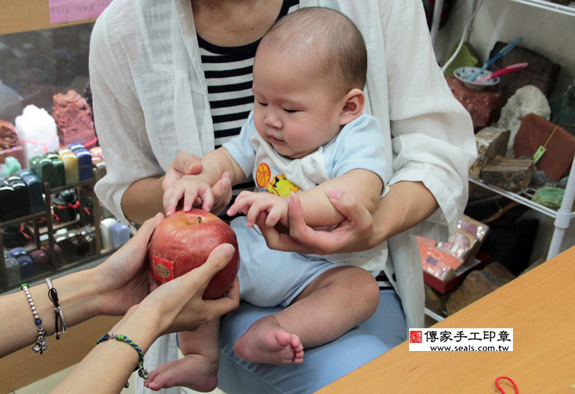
[198,220]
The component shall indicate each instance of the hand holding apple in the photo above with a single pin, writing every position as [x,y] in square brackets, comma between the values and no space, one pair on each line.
[184,240]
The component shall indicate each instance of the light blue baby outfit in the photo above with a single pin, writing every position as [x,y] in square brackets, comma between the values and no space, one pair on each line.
[269,282]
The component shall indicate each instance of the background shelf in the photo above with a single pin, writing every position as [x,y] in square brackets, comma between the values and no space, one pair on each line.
[433,315]
[547,5]
[50,227]
[523,198]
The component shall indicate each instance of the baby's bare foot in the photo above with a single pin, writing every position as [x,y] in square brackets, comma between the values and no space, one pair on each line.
[266,342]
[192,371]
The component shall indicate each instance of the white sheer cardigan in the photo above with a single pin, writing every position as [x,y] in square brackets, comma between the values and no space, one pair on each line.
[150,103]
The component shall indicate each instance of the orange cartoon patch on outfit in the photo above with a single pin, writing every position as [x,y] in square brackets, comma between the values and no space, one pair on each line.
[278,184]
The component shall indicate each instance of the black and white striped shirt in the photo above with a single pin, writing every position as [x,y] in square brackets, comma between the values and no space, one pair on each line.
[229,76]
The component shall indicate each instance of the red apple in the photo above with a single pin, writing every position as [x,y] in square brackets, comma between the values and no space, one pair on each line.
[184,240]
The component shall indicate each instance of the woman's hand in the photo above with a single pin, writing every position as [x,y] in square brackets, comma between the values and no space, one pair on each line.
[174,306]
[189,164]
[405,205]
[355,233]
[179,302]
[123,279]
[222,192]
[185,163]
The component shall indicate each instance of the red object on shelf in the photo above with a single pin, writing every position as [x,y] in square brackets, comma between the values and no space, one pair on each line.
[535,132]
[10,144]
[481,104]
[480,261]
[73,118]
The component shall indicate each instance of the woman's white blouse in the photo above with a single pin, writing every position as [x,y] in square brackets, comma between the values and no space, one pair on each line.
[150,103]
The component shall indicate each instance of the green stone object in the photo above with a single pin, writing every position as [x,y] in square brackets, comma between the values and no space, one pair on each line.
[563,110]
[45,170]
[550,197]
[49,168]
[465,58]
[33,163]
[11,165]
[60,172]
[51,155]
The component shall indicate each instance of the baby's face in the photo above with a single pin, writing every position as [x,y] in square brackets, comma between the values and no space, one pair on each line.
[294,110]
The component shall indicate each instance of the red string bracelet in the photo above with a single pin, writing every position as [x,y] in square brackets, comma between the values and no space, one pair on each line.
[512,382]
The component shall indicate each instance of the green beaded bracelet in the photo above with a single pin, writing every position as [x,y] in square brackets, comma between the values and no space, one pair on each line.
[122,338]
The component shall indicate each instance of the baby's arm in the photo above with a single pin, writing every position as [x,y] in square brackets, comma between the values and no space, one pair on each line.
[215,164]
[318,211]
[364,185]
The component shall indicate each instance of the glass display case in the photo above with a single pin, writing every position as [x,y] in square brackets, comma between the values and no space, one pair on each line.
[37,61]
[35,65]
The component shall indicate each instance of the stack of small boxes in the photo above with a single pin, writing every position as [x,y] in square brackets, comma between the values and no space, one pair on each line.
[84,161]
[23,194]
[66,166]
[20,195]
[22,265]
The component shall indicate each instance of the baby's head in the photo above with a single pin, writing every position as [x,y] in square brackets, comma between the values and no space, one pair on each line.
[309,72]
[327,39]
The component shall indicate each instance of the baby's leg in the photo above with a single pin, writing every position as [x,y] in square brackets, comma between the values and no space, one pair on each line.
[332,304]
[198,368]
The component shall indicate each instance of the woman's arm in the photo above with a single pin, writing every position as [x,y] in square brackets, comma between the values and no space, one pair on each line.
[133,186]
[432,134]
[406,204]
[174,306]
[318,211]
[143,199]
[17,325]
[108,289]
[119,118]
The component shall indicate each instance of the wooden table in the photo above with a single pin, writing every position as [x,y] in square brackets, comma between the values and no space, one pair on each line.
[25,367]
[539,306]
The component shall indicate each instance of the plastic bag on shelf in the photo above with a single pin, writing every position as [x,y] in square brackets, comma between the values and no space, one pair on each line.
[473,227]
[459,245]
[435,261]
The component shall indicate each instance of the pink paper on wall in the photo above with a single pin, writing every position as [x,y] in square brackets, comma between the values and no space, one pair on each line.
[75,10]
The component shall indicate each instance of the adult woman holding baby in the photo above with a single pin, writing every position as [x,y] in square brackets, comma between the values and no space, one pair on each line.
[174,77]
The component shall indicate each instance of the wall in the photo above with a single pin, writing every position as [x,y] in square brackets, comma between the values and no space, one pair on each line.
[26,15]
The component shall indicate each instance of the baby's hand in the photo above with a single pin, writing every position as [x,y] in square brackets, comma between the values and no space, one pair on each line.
[190,188]
[252,204]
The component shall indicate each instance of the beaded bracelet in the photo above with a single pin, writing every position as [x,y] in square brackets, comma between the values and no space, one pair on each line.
[58,314]
[40,344]
[140,367]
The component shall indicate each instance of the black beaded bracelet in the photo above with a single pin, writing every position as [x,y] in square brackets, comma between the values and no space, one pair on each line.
[40,346]
[58,314]
[122,338]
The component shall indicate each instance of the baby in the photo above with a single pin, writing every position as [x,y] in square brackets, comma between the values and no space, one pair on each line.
[307,133]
